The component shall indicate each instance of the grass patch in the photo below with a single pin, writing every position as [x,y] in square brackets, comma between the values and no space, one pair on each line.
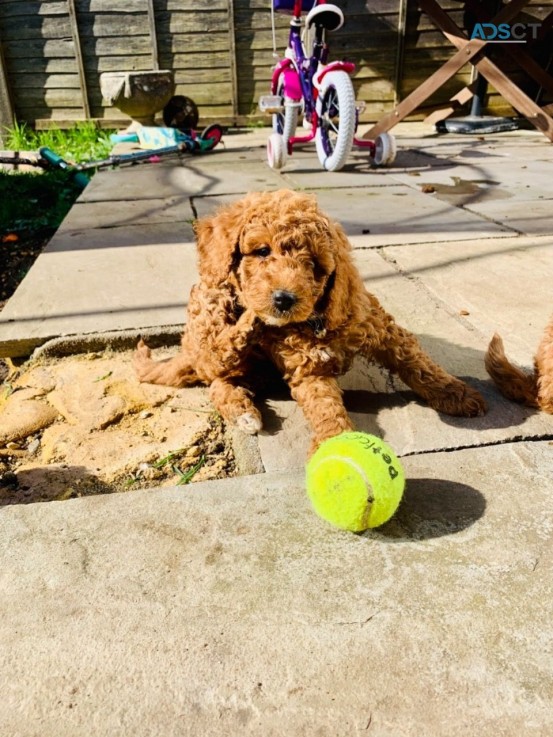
[34,201]
[33,204]
[83,142]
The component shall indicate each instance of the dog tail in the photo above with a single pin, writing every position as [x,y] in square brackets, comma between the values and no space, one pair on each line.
[511,381]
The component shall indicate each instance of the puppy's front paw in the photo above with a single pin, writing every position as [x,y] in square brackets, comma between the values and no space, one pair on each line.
[249,423]
[461,401]
[141,358]
[249,321]
[474,404]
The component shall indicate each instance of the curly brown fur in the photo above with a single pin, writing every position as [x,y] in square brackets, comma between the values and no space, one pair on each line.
[533,389]
[277,280]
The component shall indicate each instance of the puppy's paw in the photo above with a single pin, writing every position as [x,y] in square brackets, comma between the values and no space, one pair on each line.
[460,400]
[474,404]
[141,358]
[249,322]
[142,350]
[249,423]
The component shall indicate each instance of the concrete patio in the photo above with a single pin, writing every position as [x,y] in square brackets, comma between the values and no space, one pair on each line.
[228,607]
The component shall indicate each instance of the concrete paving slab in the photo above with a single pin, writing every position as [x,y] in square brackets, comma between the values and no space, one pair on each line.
[98,280]
[513,145]
[153,194]
[120,213]
[191,178]
[369,216]
[245,148]
[504,184]
[504,286]
[229,607]
[386,407]
[377,216]
[397,214]
[533,217]
[304,170]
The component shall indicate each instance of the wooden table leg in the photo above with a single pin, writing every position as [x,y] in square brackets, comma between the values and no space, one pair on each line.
[427,88]
[467,50]
[461,98]
[516,97]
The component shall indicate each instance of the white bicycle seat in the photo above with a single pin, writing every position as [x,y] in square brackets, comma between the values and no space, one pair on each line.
[330,17]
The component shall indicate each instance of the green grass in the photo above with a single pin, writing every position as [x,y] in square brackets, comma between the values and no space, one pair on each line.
[83,142]
[36,201]
[33,204]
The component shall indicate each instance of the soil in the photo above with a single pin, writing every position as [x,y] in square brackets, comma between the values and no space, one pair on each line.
[82,425]
[17,257]
[18,252]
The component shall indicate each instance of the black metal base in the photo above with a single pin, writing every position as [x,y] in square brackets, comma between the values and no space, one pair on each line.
[477,124]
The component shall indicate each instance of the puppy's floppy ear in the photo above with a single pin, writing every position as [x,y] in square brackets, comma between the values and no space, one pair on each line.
[344,283]
[217,238]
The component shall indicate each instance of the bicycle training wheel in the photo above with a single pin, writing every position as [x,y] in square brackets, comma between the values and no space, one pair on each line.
[276,151]
[337,120]
[285,123]
[385,149]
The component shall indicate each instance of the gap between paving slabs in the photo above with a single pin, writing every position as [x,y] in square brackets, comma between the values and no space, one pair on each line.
[75,421]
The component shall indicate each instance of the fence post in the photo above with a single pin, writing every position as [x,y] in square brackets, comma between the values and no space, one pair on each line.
[79,56]
[153,34]
[7,116]
[232,59]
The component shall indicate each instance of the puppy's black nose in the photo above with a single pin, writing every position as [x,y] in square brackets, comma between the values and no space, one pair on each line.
[284,301]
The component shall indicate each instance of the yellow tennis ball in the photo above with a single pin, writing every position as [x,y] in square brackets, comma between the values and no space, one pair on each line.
[355,481]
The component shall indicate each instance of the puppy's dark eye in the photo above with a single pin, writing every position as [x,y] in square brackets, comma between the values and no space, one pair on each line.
[262,252]
[318,270]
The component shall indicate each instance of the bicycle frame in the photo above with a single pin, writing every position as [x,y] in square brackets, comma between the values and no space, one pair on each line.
[303,75]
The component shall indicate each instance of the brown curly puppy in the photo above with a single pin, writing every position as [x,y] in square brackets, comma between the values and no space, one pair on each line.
[277,280]
[536,389]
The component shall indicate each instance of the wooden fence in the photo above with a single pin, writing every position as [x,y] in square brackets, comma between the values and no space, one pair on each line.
[53,52]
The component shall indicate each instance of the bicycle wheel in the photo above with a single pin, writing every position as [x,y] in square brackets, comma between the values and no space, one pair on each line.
[285,123]
[182,113]
[276,151]
[385,149]
[210,136]
[336,111]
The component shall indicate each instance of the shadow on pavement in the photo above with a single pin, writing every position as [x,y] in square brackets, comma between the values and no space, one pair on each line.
[433,508]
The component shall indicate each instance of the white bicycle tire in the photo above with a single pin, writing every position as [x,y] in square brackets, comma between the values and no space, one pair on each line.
[340,82]
[276,151]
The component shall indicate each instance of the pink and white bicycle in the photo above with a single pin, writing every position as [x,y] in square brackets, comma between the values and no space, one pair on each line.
[306,84]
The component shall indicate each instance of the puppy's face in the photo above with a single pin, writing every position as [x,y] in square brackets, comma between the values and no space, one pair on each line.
[286,260]
[284,267]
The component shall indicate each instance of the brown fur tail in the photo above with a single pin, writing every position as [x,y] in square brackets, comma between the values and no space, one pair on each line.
[511,381]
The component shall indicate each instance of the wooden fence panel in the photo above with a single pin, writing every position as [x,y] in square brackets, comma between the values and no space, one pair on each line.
[222,53]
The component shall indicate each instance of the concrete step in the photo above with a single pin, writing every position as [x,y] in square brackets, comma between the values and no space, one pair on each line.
[229,607]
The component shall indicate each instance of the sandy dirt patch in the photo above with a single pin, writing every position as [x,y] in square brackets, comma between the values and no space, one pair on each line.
[83,425]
